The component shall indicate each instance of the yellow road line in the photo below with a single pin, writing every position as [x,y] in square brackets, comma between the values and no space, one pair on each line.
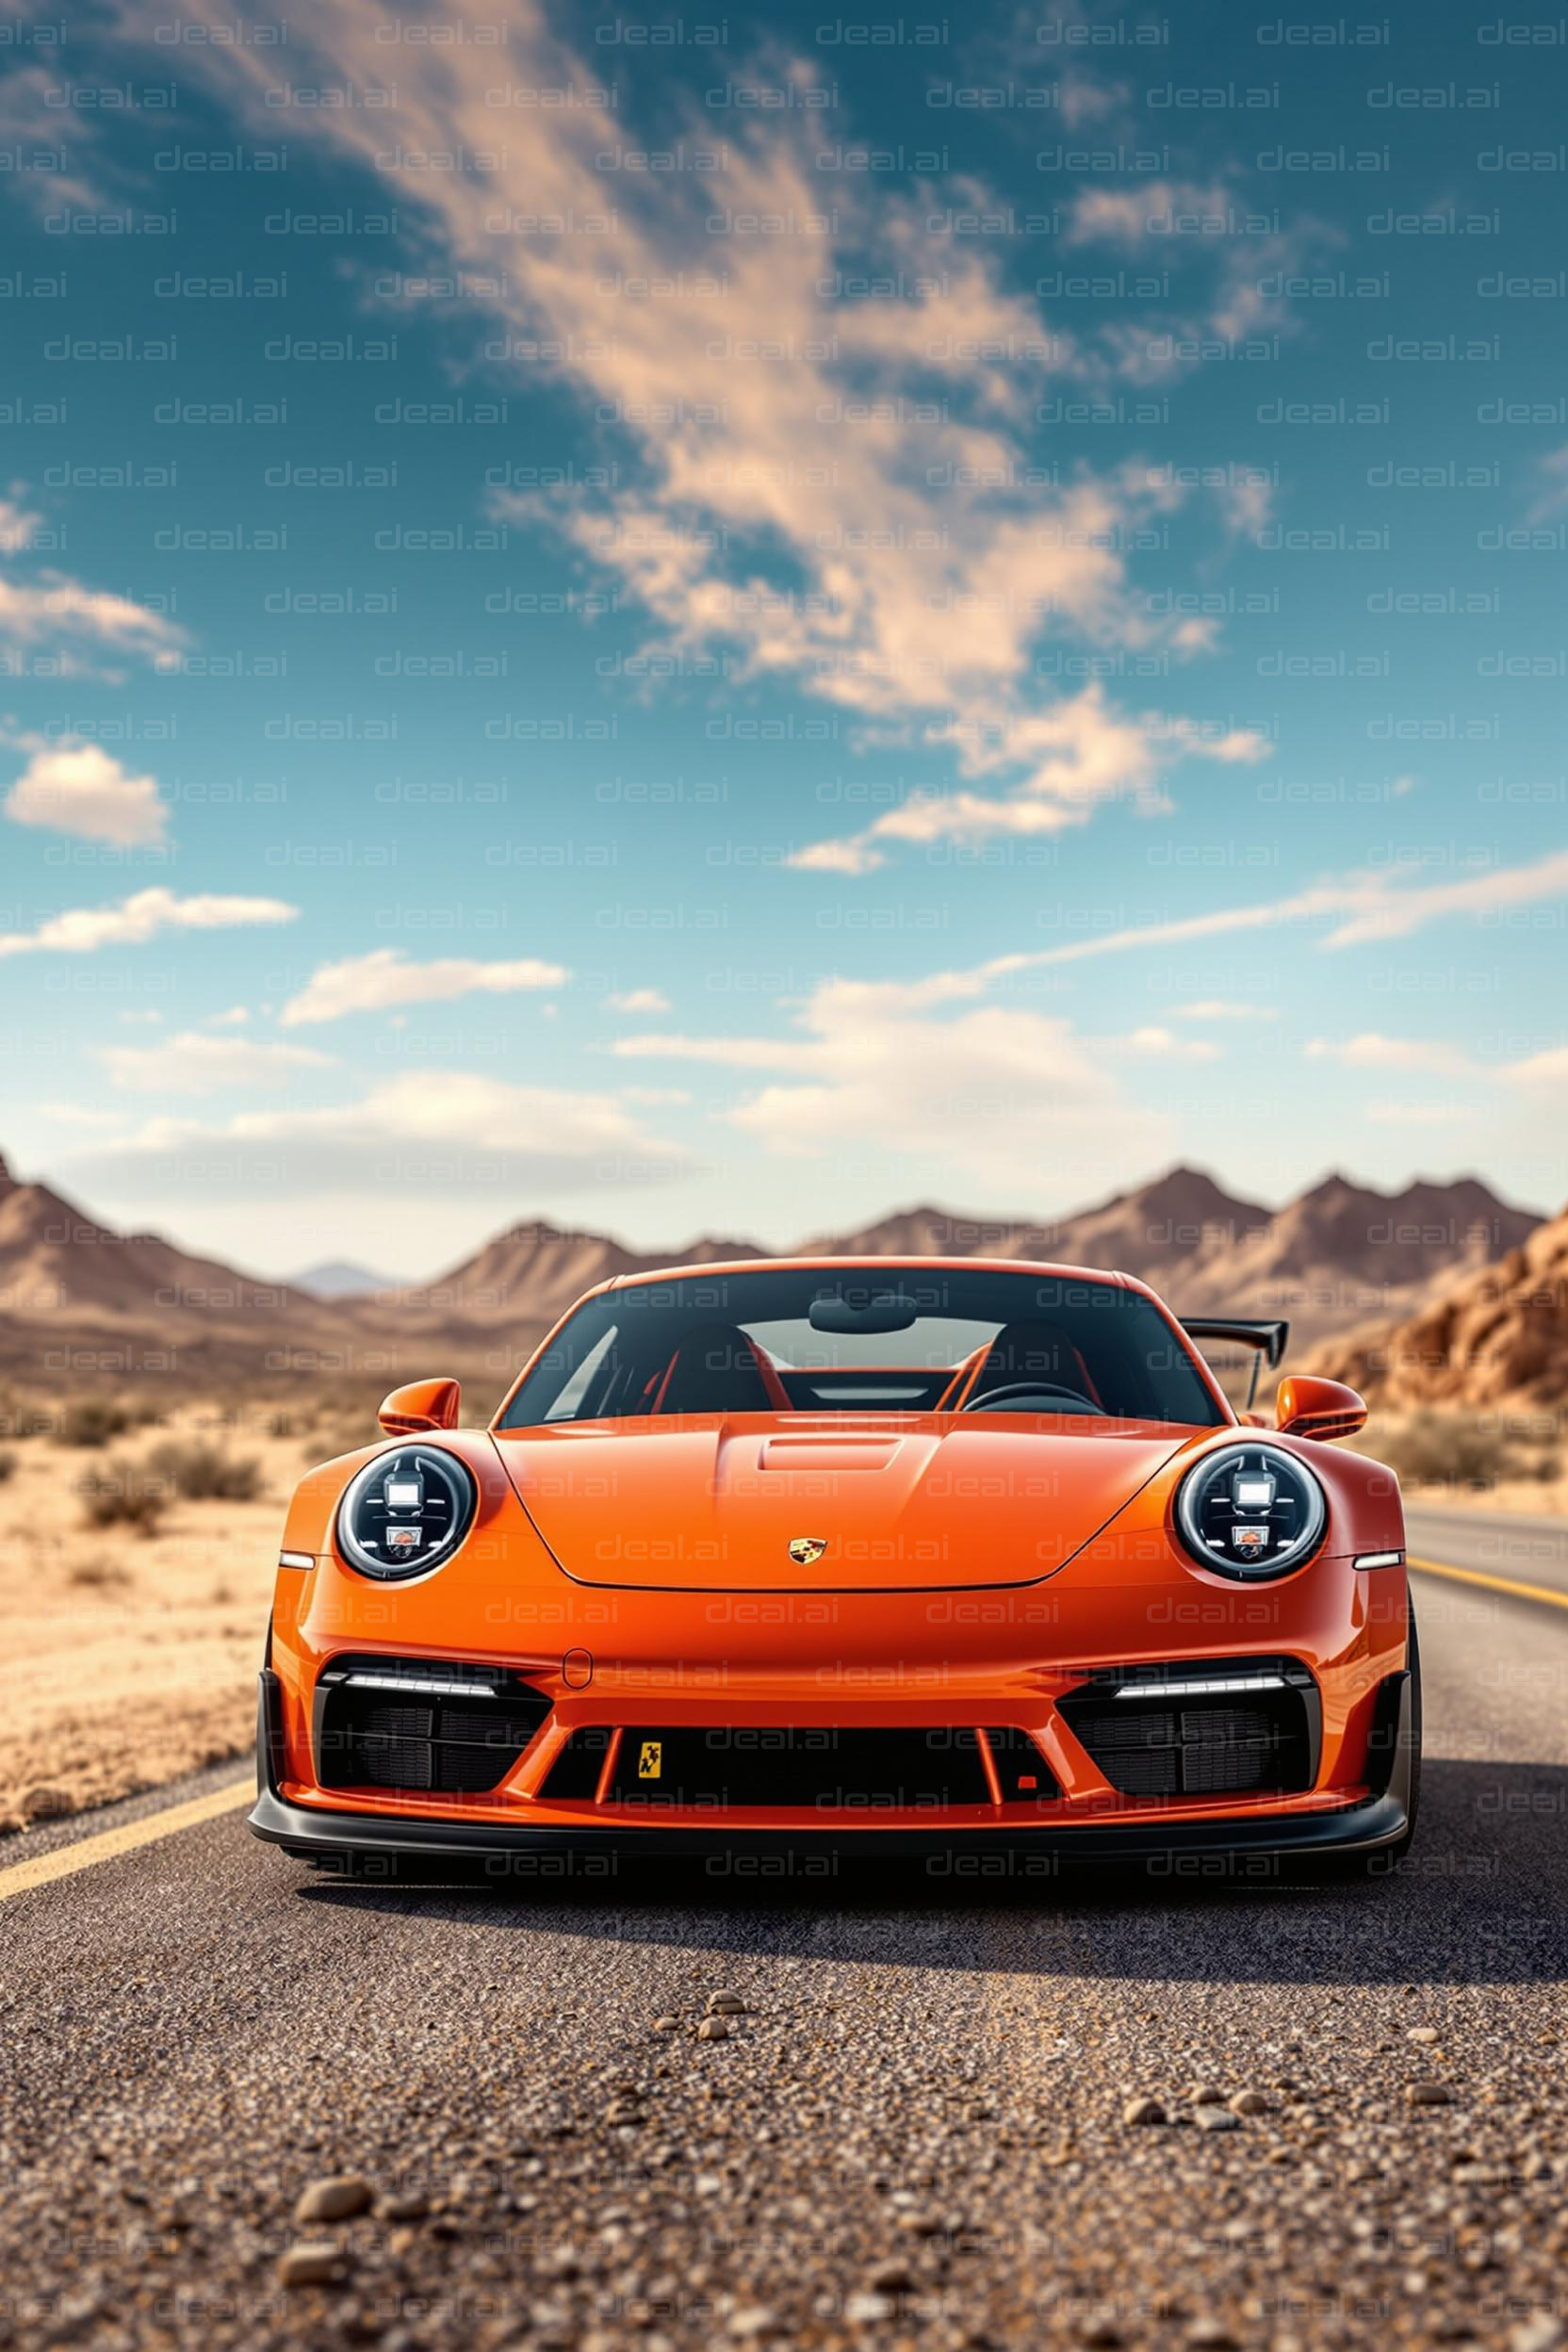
[65,1860]
[1493,1584]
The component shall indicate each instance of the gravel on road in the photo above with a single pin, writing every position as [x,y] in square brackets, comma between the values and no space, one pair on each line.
[247,2106]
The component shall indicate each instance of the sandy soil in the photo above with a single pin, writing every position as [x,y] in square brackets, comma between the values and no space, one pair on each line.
[127,1658]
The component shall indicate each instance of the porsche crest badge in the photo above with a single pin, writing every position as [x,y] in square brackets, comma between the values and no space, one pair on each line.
[804,1549]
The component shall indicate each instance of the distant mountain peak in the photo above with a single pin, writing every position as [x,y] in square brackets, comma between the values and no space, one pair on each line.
[341,1277]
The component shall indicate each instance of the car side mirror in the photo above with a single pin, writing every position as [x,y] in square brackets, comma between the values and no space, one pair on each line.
[1307,1407]
[420,1405]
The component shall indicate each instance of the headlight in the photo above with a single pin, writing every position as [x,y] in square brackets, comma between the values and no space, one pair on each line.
[406,1512]
[1250,1510]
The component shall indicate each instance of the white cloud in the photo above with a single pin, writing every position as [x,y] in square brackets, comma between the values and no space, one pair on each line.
[1386,909]
[77,788]
[1371,1050]
[1225,1008]
[1553,469]
[422,1132]
[1377,903]
[835,491]
[1000,1096]
[927,1067]
[1074,756]
[47,607]
[235,1018]
[1163,1044]
[80,930]
[195,1064]
[1137,216]
[54,606]
[386,977]
[1546,1071]
[641,1000]
[30,118]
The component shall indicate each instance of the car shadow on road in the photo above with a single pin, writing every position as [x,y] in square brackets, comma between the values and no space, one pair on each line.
[1480,1899]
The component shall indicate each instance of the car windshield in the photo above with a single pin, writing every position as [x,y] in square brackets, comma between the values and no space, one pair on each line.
[866,1338]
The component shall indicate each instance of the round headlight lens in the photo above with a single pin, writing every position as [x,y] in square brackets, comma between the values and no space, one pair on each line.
[407,1512]
[1250,1510]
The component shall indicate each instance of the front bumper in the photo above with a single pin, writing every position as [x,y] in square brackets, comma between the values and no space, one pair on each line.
[1372,1824]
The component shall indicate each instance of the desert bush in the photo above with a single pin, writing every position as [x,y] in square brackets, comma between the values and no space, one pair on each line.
[200,1472]
[1454,1448]
[99,1575]
[123,1493]
[91,1421]
[7,1462]
[33,1421]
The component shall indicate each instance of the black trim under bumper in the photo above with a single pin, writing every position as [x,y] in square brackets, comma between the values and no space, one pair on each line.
[1367,1827]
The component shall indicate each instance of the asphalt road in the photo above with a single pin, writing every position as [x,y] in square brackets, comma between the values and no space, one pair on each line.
[1509,1544]
[914,2133]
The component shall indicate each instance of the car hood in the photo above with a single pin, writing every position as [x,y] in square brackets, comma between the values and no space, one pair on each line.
[917,1503]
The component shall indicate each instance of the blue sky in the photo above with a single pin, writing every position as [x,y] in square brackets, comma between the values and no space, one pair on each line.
[726,622]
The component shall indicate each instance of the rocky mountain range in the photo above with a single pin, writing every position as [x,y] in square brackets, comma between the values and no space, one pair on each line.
[79,1300]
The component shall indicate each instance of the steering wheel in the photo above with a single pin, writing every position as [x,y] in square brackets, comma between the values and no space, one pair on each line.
[999,1400]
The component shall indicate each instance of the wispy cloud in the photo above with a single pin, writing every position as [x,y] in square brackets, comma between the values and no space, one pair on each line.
[1360,908]
[876,1074]
[1067,761]
[1434,1058]
[43,606]
[194,1063]
[825,489]
[1225,1008]
[930,1068]
[386,978]
[1371,1050]
[423,1130]
[81,930]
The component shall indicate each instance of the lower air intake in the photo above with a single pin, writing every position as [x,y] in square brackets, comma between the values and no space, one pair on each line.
[710,1768]
[421,1725]
[1159,1732]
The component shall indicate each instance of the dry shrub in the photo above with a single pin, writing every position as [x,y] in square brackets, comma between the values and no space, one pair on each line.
[124,1494]
[1437,1447]
[91,1421]
[7,1462]
[201,1473]
[99,1575]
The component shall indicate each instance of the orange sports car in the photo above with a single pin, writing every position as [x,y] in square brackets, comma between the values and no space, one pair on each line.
[782,1561]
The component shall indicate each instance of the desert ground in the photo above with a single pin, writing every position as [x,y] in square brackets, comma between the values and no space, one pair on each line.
[131,1645]
[131,1650]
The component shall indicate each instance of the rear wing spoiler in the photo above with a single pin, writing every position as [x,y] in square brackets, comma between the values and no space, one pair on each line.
[1268,1338]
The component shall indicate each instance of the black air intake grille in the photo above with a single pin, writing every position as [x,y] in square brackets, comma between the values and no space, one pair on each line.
[421,1724]
[710,1768]
[1153,1732]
